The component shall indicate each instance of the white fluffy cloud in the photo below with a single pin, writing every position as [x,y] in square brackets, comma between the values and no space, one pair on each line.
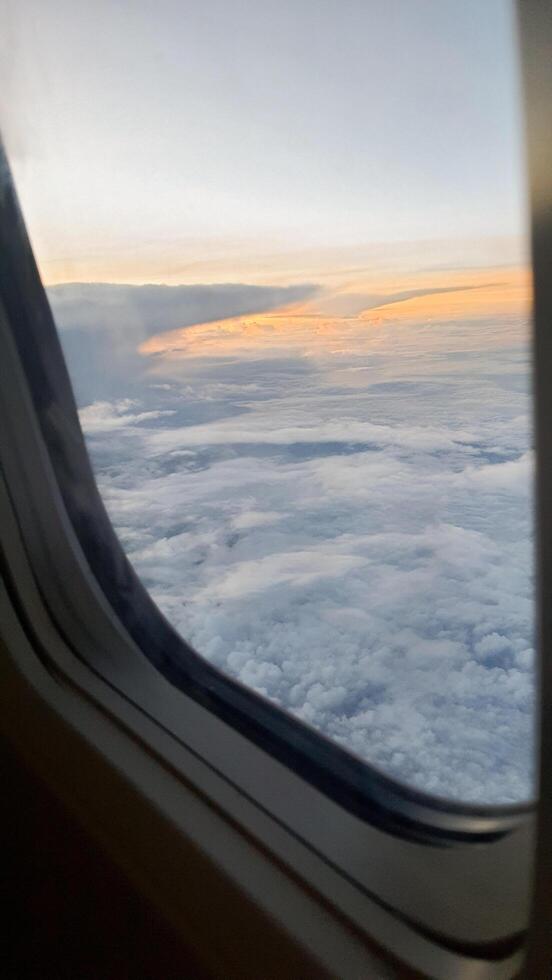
[110,416]
[352,540]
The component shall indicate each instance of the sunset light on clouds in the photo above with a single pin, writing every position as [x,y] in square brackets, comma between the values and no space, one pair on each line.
[312,325]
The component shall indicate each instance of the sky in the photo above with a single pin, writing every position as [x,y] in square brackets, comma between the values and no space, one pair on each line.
[285,245]
[150,142]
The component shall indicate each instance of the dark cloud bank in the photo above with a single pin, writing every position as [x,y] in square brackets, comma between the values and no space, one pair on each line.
[102,324]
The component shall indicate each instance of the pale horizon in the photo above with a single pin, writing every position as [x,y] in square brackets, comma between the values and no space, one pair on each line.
[174,148]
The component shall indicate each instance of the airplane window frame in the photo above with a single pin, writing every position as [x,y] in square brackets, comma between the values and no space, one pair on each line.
[535,38]
[266,769]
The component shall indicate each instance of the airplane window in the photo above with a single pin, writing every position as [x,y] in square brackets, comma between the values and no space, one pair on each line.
[285,246]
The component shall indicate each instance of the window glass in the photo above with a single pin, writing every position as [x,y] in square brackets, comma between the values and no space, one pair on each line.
[285,246]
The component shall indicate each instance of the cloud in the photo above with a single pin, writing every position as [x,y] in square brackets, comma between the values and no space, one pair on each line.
[102,325]
[351,304]
[143,311]
[108,416]
[352,539]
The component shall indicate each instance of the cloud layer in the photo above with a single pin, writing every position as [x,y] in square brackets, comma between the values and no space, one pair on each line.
[347,529]
[103,324]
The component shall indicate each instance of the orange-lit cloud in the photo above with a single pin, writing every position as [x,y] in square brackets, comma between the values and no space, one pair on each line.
[315,327]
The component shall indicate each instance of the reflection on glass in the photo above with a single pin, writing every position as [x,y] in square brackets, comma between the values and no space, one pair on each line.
[315,442]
